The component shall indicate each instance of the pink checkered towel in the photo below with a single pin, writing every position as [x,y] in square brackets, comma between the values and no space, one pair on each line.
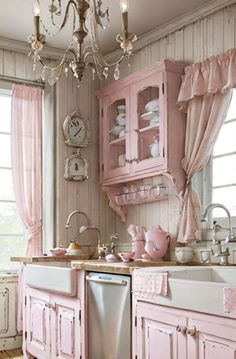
[230,300]
[149,285]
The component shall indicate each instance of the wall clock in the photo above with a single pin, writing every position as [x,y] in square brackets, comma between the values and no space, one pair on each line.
[76,167]
[76,130]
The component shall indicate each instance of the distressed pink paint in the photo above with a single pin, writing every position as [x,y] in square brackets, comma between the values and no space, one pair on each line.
[230,300]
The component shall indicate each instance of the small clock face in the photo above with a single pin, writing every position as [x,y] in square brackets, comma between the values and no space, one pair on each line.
[76,130]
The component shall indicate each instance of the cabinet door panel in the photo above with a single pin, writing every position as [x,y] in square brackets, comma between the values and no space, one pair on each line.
[66,332]
[38,323]
[215,338]
[214,350]
[160,342]
[66,328]
[146,134]
[157,335]
[115,148]
[4,310]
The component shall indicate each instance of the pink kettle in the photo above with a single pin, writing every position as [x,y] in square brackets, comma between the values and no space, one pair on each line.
[157,242]
[138,242]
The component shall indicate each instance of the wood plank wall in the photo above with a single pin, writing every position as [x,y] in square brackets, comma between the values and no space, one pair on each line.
[212,35]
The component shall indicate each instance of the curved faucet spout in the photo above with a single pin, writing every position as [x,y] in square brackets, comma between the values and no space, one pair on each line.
[219,205]
[79,212]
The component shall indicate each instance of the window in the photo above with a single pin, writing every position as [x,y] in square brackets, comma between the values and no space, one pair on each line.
[224,164]
[12,236]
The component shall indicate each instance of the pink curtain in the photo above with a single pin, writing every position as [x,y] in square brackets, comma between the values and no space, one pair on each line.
[205,95]
[26,122]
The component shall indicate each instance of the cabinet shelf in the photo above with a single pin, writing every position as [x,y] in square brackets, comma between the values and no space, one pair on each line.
[150,130]
[118,141]
[147,200]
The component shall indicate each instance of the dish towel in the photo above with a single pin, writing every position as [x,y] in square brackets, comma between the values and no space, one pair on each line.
[230,300]
[149,285]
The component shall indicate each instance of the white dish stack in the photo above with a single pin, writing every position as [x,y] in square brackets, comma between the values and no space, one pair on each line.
[152,113]
[119,130]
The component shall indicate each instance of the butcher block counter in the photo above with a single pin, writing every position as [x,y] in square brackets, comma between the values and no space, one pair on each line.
[117,267]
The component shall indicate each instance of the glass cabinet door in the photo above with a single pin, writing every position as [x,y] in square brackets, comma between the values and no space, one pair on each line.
[147,124]
[116,152]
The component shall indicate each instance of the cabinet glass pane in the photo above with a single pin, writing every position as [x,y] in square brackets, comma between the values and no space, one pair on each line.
[149,119]
[225,196]
[224,170]
[117,134]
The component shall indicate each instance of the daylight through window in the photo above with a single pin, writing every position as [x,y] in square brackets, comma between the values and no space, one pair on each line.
[12,238]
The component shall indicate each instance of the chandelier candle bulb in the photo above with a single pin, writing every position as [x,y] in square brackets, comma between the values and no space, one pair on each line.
[36,8]
[124,10]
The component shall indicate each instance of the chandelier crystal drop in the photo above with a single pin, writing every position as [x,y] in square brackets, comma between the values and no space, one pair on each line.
[87,16]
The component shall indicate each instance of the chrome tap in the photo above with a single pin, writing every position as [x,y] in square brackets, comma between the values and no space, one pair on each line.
[101,248]
[222,254]
[205,216]
[79,212]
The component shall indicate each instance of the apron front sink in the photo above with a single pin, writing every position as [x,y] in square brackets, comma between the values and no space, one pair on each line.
[58,278]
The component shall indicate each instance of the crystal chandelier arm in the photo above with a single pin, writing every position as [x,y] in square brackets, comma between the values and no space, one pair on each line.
[100,59]
[71,2]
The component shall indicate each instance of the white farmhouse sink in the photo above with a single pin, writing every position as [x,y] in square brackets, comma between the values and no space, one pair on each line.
[197,288]
[54,277]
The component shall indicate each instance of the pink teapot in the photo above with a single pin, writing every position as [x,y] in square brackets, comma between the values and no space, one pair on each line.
[136,232]
[157,242]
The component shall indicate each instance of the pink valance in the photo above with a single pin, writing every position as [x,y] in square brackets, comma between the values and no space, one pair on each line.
[214,75]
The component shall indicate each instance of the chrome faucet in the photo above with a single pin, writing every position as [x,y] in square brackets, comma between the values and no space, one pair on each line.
[101,248]
[222,254]
[79,212]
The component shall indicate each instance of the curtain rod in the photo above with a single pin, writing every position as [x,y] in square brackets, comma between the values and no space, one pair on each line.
[17,80]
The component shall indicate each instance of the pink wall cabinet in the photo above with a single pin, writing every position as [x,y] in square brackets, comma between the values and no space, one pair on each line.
[53,325]
[142,132]
[168,333]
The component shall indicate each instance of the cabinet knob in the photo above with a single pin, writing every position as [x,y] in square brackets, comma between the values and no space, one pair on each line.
[192,331]
[182,329]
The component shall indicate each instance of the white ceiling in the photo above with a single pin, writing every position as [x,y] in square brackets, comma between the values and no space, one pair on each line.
[16,19]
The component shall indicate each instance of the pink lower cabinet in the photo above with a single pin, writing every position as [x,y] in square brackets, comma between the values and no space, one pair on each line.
[157,337]
[168,333]
[52,325]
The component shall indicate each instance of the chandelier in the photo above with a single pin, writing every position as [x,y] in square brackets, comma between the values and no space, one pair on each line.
[87,17]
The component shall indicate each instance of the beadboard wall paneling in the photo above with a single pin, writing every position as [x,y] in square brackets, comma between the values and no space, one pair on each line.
[209,36]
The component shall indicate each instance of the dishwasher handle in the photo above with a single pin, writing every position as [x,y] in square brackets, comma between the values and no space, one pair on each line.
[106,281]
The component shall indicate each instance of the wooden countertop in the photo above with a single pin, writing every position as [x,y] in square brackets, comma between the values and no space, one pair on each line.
[42,259]
[117,267]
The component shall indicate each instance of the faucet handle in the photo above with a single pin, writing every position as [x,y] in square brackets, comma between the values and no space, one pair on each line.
[115,237]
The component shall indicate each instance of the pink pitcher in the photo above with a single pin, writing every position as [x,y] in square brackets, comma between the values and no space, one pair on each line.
[157,242]
[138,242]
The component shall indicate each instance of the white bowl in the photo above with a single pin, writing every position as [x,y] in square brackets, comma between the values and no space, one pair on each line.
[183,254]
[152,105]
[116,130]
[150,115]
[121,108]
[121,119]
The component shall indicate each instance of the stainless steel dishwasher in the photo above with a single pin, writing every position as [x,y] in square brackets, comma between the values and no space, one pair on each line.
[109,316]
